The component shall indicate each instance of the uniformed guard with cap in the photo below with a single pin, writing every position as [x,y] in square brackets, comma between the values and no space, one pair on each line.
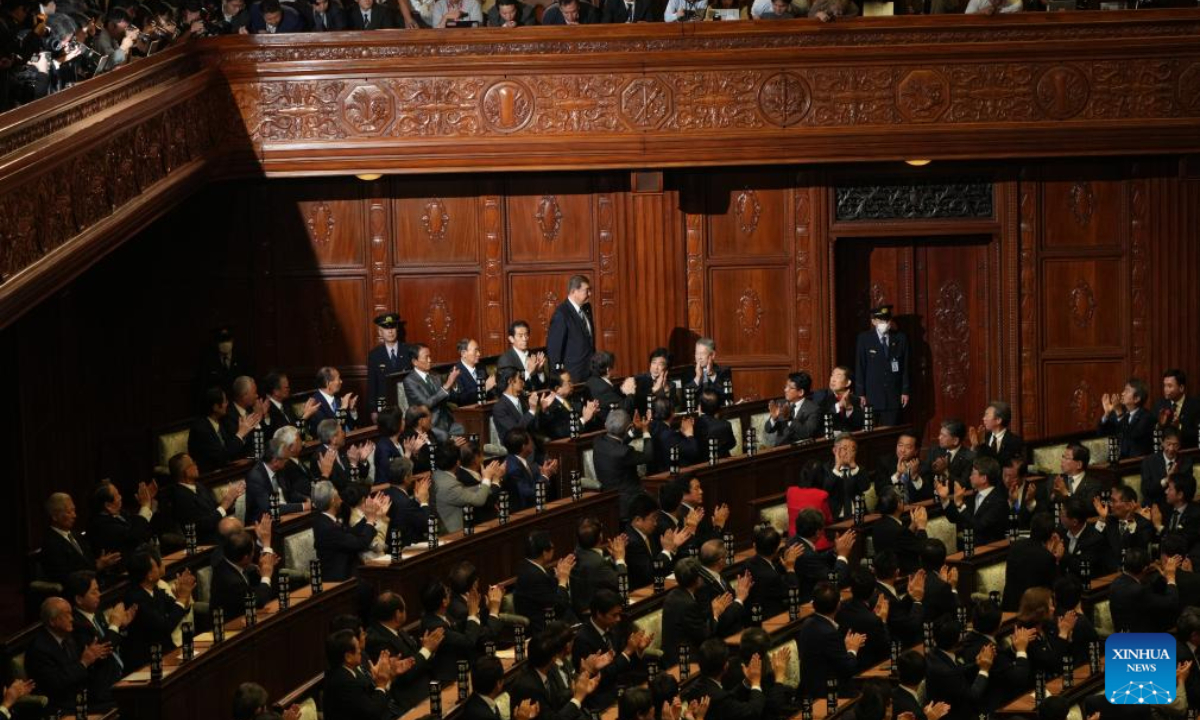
[881,367]
[388,357]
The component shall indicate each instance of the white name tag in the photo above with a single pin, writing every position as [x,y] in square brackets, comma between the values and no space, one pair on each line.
[895,365]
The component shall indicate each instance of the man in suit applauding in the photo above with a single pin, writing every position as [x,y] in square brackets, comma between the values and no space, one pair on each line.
[571,340]
[350,691]
[235,576]
[63,551]
[474,384]
[55,662]
[158,612]
[487,682]
[366,15]
[840,402]
[93,626]
[532,366]
[386,633]
[995,436]
[543,583]
[708,375]
[1176,409]
[598,634]
[1161,465]
[337,547]
[798,417]
[824,652]
[617,461]
[986,512]
[950,458]
[425,388]
[1125,417]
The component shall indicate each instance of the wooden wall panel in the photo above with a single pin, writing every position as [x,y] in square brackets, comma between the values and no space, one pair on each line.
[1083,305]
[551,219]
[436,223]
[533,297]
[1072,393]
[440,310]
[747,319]
[1089,207]
[325,225]
[324,318]
[748,216]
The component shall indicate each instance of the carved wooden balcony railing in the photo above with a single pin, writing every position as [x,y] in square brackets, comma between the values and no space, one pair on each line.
[85,169]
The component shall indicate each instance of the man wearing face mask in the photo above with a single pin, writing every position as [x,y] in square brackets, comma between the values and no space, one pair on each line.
[881,367]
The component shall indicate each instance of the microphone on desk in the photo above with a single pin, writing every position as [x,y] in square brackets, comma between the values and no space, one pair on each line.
[218,618]
[251,609]
[285,592]
[435,699]
[1068,676]
[468,515]
[187,648]
[156,663]
[81,703]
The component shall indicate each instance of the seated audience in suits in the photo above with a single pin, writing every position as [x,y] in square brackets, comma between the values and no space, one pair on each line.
[93,626]
[950,681]
[714,665]
[543,583]
[627,11]
[825,651]
[1127,419]
[386,633]
[554,420]
[994,437]
[329,384]
[907,696]
[338,547]
[866,613]
[780,10]
[54,661]
[63,552]
[271,16]
[236,576]
[691,513]
[389,445]
[664,436]
[349,691]
[905,612]
[244,402]
[1085,547]
[194,502]
[1121,524]
[418,429]
[487,682]
[813,566]
[473,384]
[251,701]
[941,582]
[904,471]
[337,463]
[985,512]
[569,12]
[780,697]
[644,545]
[511,13]
[1011,670]
[1075,480]
[323,15]
[109,530]
[1184,515]
[710,428]
[210,441]
[448,13]
[531,366]
[602,633]
[451,495]
[602,389]
[521,471]
[617,461]
[409,495]
[366,15]
[839,401]
[1026,497]
[891,532]
[278,388]
[798,417]
[655,384]
[772,570]
[158,612]
[1138,603]
[1176,409]
[513,409]
[296,475]
[686,618]
[708,374]
[460,640]
[266,479]
[950,457]
[540,684]
[594,568]
[463,583]
[1158,467]
[713,585]
[844,478]
[1032,561]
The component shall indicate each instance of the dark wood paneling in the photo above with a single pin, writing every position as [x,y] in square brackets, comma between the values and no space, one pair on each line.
[746,316]
[551,219]
[324,319]
[436,223]
[748,215]
[1084,305]
[440,309]
[1073,390]
[1090,207]
[324,224]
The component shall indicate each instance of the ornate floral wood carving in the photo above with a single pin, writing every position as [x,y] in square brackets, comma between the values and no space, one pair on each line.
[1082,201]
[549,217]
[546,310]
[435,220]
[645,103]
[438,321]
[749,312]
[923,95]
[1189,88]
[694,241]
[1062,92]
[747,210]
[1085,406]
[507,106]
[1139,252]
[930,200]
[380,268]
[367,109]
[1083,304]
[784,99]
[951,340]
[805,305]
[878,299]
[608,283]
[1028,232]
[320,223]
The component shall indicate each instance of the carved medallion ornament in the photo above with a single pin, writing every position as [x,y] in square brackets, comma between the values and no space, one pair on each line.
[549,217]
[748,210]
[1082,202]
[1084,406]
[438,320]
[1189,88]
[367,109]
[546,311]
[645,103]
[435,220]
[320,223]
[1083,304]
[923,95]
[951,340]
[784,99]
[507,106]
[749,312]
[1062,92]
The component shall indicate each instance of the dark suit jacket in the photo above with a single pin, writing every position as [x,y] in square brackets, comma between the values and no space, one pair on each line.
[1139,607]
[826,401]
[521,482]
[102,674]
[940,598]
[645,384]
[842,491]
[1090,546]
[339,475]
[823,655]
[258,494]
[338,548]
[589,641]
[726,705]
[212,449]
[960,468]
[813,567]
[593,571]
[1188,523]
[609,395]
[230,584]
[475,708]
[873,369]
[896,536]
[664,437]
[379,361]
[56,669]
[615,11]
[59,558]
[1009,674]
[290,23]
[616,468]
[1189,420]
[506,416]
[569,342]
[734,617]
[771,583]
[1011,446]
[1029,564]
[528,685]
[989,520]
[325,411]
[156,618]
[639,558]
[277,417]
[802,425]
[904,702]
[1136,435]
[949,682]
[409,689]
[536,591]
[905,616]
[858,616]
[459,643]
[468,385]
[685,619]
[715,381]
[334,19]
[708,427]
[382,18]
[352,695]
[510,359]
[407,516]
[1154,472]
[1118,537]
[555,421]
[117,533]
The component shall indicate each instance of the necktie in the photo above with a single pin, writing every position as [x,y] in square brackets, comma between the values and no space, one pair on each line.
[847,497]
[321,23]
[1170,467]
[608,641]
[337,405]
[628,12]
[74,543]
[587,326]
[994,442]
[393,355]
[366,19]
[1176,519]
[883,341]
[1178,410]
[100,636]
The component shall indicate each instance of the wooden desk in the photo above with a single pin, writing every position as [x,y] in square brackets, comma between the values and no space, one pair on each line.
[477,420]
[968,567]
[569,453]
[494,549]
[283,650]
[1085,683]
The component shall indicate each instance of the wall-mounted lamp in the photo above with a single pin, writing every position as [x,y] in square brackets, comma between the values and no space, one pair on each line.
[368,177]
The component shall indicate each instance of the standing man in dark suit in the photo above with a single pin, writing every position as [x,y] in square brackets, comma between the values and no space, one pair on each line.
[839,401]
[950,458]
[881,367]
[157,612]
[571,340]
[1158,467]
[891,532]
[950,681]
[409,495]
[686,618]
[711,427]
[627,11]
[987,512]
[386,633]
[531,365]
[617,461]
[327,16]
[337,547]
[92,626]
[643,545]
[1176,409]
[543,583]
[210,442]
[1126,418]
[63,551]
[514,409]
[390,355]
[55,662]
[708,375]
[714,665]
[219,363]
[594,570]
[521,470]
[1083,542]
[423,387]
[364,15]
[812,566]
[1184,515]
[798,417]
[665,436]
[772,573]
[866,613]
[1138,602]
[995,435]
[349,691]
[1121,524]
[487,684]
[599,634]
[1032,561]
[825,651]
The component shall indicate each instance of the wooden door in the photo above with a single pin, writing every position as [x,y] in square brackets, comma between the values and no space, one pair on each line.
[940,289]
